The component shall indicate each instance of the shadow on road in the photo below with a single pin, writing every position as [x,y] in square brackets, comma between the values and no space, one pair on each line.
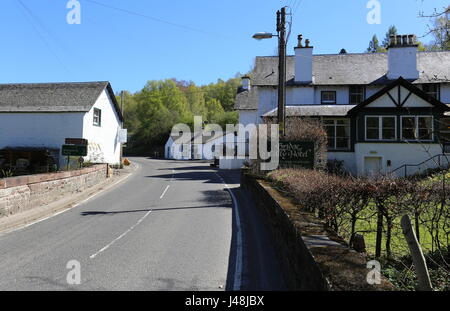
[95,213]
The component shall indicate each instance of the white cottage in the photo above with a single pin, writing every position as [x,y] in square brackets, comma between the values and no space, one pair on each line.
[41,116]
[383,112]
[207,149]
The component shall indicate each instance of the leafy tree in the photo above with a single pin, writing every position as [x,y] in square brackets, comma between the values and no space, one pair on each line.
[151,113]
[392,31]
[374,46]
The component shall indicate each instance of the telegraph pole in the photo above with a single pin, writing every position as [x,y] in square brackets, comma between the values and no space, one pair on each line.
[281,29]
[121,110]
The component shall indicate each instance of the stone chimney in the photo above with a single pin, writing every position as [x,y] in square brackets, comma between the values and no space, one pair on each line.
[402,57]
[303,61]
[246,84]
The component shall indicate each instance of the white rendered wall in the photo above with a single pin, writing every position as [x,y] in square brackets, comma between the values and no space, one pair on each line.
[249,117]
[402,62]
[303,64]
[347,157]
[300,96]
[104,146]
[268,100]
[445,93]
[342,94]
[39,129]
[398,154]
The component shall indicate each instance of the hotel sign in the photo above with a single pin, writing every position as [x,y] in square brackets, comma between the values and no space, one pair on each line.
[297,154]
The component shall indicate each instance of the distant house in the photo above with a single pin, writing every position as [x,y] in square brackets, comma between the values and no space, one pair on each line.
[208,148]
[39,117]
[381,110]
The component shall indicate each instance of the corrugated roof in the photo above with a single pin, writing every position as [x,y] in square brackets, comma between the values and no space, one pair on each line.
[53,97]
[313,111]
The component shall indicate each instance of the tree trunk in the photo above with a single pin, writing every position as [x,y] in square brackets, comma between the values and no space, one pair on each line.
[388,236]
[420,264]
[379,234]
[416,222]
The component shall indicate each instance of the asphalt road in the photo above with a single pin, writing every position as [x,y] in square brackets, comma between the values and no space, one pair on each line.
[169,226]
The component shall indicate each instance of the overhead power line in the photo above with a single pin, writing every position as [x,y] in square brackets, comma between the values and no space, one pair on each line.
[28,13]
[155,19]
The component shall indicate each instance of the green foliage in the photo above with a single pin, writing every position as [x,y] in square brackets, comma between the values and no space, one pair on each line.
[374,46]
[151,113]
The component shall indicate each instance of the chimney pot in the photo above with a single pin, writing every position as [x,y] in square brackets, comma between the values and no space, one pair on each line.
[300,38]
[392,40]
[307,42]
[404,40]
[246,85]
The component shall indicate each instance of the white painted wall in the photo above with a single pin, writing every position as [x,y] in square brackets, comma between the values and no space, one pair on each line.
[249,117]
[398,154]
[168,148]
[300,96]
[445,93]
[268,100]
[39,129]
[304,64]
[104,146]
[347,157]
[342,94]
[402,62]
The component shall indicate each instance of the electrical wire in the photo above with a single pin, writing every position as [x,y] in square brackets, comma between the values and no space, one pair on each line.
[156,19]
[27,13]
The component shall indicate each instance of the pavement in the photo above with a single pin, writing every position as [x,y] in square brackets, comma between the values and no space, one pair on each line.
[169,226]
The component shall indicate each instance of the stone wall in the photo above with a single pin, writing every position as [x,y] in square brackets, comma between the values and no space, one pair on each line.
[312,258]
[22,193]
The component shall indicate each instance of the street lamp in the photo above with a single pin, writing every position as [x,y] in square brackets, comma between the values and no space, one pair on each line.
[281,30]
[263,35]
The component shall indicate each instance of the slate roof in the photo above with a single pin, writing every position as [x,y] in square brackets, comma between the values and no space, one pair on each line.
[341,69]
[53,97]
[246,99]
[314,111]
[348,69]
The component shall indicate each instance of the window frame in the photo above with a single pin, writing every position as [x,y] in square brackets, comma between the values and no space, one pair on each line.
[437,92]
[335,126]
[380,128]
[99,123]
[363,94]
[322,93]
[416,128]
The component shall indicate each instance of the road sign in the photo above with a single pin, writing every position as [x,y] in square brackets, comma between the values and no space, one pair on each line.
[74,150]
[123,136]
[297,153]
[76,141]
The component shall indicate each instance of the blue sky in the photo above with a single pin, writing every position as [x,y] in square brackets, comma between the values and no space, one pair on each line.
[213,39]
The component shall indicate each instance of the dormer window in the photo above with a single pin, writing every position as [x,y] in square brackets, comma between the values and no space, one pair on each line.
[357,94]
[432,90]
[328,98]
